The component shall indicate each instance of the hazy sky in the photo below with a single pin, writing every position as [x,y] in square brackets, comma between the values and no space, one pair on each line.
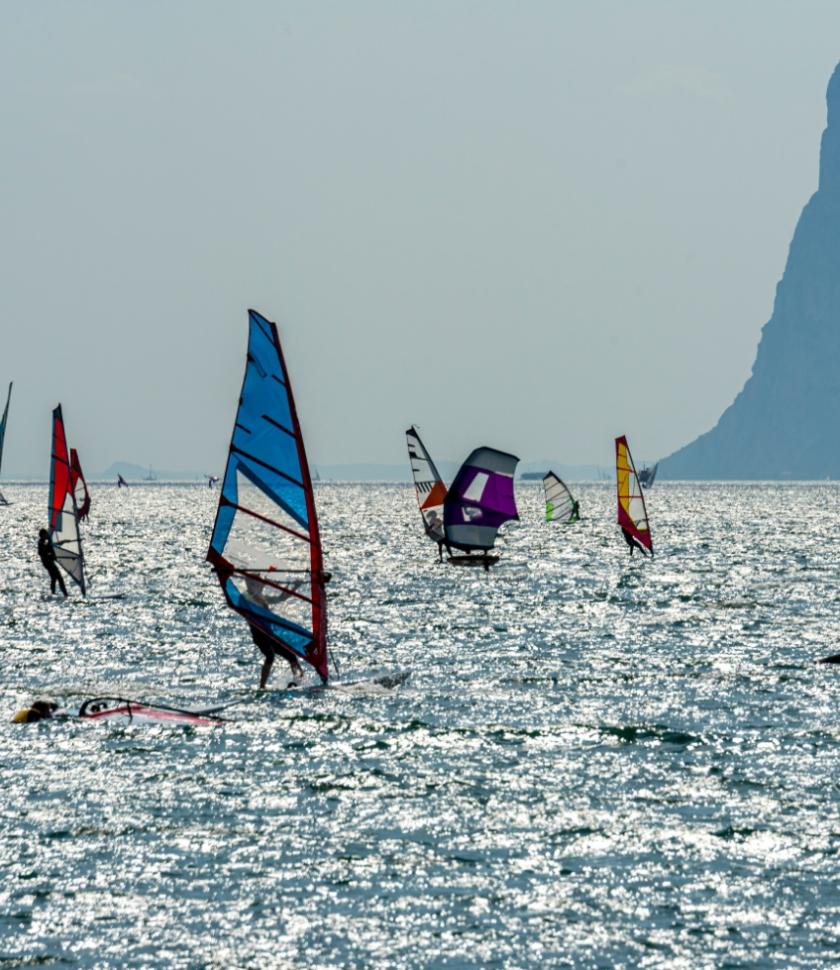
[530,225]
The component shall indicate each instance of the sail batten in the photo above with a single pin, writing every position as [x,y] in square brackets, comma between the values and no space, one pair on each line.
[480,500]
[62,510]
[632,511]
[266,546]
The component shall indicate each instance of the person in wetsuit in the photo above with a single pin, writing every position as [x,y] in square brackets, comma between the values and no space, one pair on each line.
[270,649]
[435,530]
[633,542]
[48,560]
[575,516]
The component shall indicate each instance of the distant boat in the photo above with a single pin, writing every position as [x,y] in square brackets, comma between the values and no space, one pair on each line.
[79,486]
[151,477]
[3,500]
[479,501]
[428,487]
[560,505]
[647,476]
[632,511]
[62,510]
[121,482]
[266,547]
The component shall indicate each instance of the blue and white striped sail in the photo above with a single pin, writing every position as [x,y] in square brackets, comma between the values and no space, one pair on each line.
[265,547]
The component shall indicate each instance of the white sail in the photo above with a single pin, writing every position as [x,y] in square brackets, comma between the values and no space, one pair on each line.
[559,504]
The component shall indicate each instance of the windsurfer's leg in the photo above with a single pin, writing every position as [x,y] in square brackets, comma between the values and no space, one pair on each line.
[268,663]
[440,552]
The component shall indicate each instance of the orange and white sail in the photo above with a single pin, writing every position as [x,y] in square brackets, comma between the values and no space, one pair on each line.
[427,483]
[632,511]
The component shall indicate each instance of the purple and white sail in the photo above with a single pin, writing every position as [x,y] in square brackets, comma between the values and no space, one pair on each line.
[480,500]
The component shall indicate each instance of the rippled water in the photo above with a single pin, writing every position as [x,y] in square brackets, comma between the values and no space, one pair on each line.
[596,762]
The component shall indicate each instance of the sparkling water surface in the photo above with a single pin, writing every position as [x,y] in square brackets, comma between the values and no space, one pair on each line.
[595,762]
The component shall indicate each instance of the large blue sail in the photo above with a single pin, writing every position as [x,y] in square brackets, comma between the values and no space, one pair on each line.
[266,548]
[3,435]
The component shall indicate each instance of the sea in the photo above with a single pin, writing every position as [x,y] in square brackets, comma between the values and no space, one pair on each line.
[595,761]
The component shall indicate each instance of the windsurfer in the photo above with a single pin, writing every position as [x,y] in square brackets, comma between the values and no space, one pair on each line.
[270,649]
[575,516]
[434,530]
[46,551]
[632,541]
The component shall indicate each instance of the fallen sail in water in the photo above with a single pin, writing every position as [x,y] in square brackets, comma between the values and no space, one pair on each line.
[79,485]
[3,500]
[62,511]
[632,512]
[479,501]
[266,547]
[560,506]
[117,709]
[428,486]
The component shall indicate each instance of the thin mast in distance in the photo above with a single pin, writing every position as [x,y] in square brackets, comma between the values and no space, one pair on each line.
[3,500]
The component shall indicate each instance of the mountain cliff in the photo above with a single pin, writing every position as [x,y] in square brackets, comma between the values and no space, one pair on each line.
[785,421]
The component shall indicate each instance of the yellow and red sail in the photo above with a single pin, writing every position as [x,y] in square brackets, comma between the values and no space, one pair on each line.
[632,511]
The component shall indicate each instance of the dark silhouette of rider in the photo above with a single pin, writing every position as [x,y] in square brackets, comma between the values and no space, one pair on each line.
[47,553]
[270,649]
[632,541]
